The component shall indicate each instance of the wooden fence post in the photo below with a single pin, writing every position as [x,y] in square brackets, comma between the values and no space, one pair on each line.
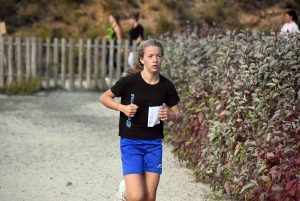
[1,62]
[63,62]
[80,62]
[33,57]
[134,46]
[103,59]
[19,58]
[126,54]
[48,60]
[27,40]
[71,63]
[55,59]
[88,62]
[96,62]
[118,74]
[10,60]
[111,63]
[40,56]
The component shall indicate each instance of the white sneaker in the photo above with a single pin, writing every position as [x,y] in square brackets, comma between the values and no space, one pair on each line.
[120,194]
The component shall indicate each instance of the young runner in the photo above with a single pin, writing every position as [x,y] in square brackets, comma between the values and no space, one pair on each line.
[147,100]
[135,33]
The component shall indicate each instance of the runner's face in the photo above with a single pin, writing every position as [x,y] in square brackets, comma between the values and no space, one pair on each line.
[288,18]
[152,59]
[111,19]
[131,21]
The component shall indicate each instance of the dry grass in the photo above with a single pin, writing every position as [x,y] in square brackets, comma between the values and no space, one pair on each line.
[24,87]
[91,18]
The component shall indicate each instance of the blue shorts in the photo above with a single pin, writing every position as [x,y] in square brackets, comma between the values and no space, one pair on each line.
[139,156]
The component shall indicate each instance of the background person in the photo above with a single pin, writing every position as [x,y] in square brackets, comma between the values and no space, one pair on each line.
[135,33]
[147,100]
[115,25]
[116,35]
[290,26]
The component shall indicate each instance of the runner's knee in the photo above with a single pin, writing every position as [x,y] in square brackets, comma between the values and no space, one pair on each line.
[135,195]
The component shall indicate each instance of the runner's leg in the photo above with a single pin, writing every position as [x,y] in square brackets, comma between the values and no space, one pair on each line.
[135,187]
[151,184]
[153,169]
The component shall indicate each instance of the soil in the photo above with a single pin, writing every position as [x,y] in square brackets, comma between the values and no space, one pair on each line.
[64,146]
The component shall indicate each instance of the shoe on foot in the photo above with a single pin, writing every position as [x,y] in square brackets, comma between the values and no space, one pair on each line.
[120,194]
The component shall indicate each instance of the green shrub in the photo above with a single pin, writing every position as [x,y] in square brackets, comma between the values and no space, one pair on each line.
[95,31]
[183,9]
[77,1]
[170,3]
[216,12]
[164,25]
[83,23]
[134,3]
[241,127]
[24,87]
[221,11]
[22,33]
[31,12]
[79,13]
[110,6]
[44,30]
[154,7]
[65,13]
[64,32]
[148,32]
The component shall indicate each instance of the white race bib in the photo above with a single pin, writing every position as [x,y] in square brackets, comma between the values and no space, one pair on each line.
[153,118]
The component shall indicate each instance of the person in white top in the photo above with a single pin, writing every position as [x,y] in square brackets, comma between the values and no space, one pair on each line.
[290,26]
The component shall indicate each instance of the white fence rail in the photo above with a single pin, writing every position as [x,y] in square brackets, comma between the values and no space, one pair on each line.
[66,63]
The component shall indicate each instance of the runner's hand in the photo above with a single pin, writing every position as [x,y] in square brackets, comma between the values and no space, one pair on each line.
[164,114]
[130,110]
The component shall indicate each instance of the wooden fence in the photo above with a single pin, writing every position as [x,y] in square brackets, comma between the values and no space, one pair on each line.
[66,63]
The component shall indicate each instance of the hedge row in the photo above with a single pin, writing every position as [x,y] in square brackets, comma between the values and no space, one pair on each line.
[240,98]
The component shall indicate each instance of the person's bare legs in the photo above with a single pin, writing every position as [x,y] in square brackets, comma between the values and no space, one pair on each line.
[141,187]
[135,187]
[151,184]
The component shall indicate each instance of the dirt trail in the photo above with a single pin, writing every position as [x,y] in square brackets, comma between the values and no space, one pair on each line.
[60,137]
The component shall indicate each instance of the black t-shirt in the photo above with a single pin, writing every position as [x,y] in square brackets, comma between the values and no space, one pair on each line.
[135,32]
[134,90]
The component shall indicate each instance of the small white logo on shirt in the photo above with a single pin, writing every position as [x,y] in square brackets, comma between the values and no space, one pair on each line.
[159,166]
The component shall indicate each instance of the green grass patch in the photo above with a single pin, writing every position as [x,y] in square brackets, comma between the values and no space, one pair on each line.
[23,87]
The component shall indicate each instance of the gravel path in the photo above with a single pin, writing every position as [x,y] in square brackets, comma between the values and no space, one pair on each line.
[64,146]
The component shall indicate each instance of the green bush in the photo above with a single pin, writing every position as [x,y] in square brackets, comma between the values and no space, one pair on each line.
[8,8]
[95,31]
[64,14]
[44,30]
[183,9]
[83,23]
[148,32]
[154,7]
[134,3]
[241,130]
[164,25]
[24,87]
[170,3]
[76,1]
[110,6]
[31,12]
